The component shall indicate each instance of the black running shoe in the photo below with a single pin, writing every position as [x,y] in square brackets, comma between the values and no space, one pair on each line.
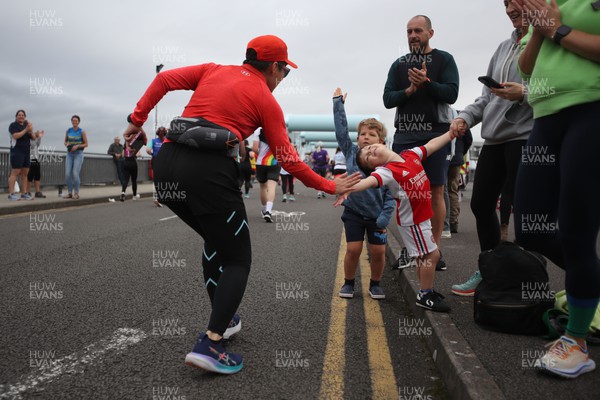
[267,216]
[441,265]
[433,301]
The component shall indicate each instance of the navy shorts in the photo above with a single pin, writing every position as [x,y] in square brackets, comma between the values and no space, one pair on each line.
[19,158]
[435,165]
[266,173]
[356,226]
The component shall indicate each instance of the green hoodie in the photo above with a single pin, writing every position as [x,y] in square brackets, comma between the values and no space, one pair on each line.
[560,78]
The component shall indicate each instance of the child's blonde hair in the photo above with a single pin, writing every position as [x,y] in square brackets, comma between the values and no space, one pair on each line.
[373,123]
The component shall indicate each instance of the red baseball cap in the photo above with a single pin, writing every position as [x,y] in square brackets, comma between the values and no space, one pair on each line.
[270,48]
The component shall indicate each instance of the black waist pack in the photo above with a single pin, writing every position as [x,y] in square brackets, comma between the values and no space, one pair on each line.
[514,291]
[203,134]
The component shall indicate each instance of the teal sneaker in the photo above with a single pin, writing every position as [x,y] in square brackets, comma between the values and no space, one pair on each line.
[467,288]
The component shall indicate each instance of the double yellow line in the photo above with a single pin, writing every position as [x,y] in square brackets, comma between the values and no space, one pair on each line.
[383,380]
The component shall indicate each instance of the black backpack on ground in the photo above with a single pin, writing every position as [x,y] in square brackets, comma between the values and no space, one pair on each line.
[514,291]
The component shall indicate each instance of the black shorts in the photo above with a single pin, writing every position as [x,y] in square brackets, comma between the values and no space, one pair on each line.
[322,171]
[338,171]
[356,226]
[19,158]
[206,181]
[34,173]
[436,165]
[267,172]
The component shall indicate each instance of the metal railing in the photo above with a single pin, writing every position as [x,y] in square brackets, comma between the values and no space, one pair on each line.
[97,169]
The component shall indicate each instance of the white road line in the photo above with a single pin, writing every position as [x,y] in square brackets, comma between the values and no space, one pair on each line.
[166,218]
[74,363]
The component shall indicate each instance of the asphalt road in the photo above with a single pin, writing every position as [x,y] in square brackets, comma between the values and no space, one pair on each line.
[104,301]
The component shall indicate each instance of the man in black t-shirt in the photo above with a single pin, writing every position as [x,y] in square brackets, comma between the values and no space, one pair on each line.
[421,85]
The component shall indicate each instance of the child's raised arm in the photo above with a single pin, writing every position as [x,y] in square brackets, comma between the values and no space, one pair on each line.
[437,143]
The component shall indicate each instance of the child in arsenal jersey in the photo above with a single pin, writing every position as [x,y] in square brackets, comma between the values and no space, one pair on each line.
[404,175]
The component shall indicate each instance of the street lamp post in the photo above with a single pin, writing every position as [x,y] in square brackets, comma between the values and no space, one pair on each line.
[158,68]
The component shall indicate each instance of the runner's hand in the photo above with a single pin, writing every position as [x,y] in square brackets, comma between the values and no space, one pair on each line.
[343,182]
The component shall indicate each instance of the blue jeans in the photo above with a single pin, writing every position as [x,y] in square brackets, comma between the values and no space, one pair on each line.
[73,164]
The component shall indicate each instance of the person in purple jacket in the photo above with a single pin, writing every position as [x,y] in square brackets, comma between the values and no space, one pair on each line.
[320,160]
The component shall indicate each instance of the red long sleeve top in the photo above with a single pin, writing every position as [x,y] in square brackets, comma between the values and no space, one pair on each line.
[237,98]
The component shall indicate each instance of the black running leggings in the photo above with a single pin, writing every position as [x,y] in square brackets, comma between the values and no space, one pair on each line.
[130,170]
[202,189]
[558,181]
[287,181]
[496,167]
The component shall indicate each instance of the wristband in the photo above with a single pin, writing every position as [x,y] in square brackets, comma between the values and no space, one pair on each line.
[560,33]
[129,119]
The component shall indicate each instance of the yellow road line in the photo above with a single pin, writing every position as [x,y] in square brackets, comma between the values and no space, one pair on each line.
[334,362]
[383,380]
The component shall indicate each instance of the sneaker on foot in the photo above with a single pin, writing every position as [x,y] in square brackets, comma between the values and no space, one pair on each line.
[26,196]
[566,359]
[376,292]
[467,288]
[122,198]
[246,196]
[446,234]
[318,195]
[40,195]
[441,264]
[291,197]
[14,197]
[213,357]
[433,301]
[453,228]
[136,197]
[235,325]
[267,216]
[347,292]
[284,198]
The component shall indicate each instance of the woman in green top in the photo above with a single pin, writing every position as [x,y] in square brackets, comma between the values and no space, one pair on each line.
[557,184]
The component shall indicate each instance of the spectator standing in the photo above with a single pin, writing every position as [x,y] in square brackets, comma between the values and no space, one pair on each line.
[20,133]
[116,151]
[421,85]
[506,122]
[75,142]
[35,173]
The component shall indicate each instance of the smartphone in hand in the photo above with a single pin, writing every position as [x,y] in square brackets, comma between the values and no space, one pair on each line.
[489,82]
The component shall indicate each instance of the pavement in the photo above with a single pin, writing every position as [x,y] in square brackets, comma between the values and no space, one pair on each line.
[54,199]
[473,363]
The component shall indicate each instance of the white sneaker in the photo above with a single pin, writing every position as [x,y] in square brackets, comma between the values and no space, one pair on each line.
[136,197]
[446,234]
[566,359]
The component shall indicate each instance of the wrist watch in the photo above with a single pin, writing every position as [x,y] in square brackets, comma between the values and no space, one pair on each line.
[560,33]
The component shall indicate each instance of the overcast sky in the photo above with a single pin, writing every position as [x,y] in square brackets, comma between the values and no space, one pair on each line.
[96,59]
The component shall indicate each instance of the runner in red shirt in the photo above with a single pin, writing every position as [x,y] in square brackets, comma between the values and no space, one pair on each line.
[200,184]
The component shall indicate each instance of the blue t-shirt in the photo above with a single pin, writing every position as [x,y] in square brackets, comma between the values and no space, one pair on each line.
[74,136]
[156,144]
[21,143]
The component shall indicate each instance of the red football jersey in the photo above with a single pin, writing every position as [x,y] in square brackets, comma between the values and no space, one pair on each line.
[409,185]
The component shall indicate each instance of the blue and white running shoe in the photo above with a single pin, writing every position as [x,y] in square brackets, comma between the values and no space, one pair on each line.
[213,357]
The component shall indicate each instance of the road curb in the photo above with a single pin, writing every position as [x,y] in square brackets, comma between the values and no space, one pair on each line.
[463,374]
[41,205]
